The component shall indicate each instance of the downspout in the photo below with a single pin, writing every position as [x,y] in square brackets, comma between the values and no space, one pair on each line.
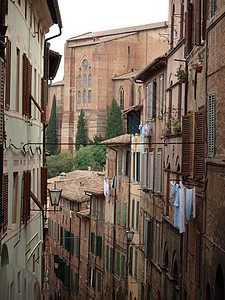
[78,271]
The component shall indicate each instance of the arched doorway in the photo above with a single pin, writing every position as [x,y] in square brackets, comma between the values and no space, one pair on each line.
[219,285]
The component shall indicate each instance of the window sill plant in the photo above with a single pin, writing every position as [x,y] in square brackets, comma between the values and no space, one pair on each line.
[181,75]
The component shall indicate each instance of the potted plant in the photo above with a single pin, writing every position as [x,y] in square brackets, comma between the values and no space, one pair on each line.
[199,65]
[181,75]
[176,127]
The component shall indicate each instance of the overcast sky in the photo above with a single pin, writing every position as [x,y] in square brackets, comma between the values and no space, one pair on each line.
[81,16]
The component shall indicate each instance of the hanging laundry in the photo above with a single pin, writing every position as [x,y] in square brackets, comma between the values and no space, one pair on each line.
[193,203]
[182,207]
[132,144]
[175,194]
[106,187]
[188,204]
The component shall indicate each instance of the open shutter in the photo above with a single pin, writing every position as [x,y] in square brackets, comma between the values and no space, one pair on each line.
[144,169]
[118,211]
[43,100]
[148,233]
[198,258]
[188,30]
[120,156]
[118,262]
[25,82]
[151,170]
[107,257]
[44,177]
[1,100]
[197,22]
[186,147]
[211,130]
[122,265]
[5,202]
[124,214]
[138,167]
[159,172]
[8,75]
[199,146]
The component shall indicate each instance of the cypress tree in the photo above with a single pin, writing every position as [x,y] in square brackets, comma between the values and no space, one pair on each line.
[81,131]
[114,125]
[51,136]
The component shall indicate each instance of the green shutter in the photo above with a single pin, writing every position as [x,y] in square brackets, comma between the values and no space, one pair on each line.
[61,235]
[213,7]
[49,226]
[111,260]
[78,246]
[58,233]
[132,219]
[107,257]
[133,166]
[71,278]
[124,214]
[135,267]
[99,282]
[67,275]
[99,246]
[138,167]
[118,211]
[118,262]
[137,216]
[122,265]
[76,283]
[93,242]
[211,140]
[71,242]
[131,261]
[120,159]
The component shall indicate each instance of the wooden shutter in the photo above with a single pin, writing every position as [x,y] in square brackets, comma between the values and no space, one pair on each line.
[1,100]
[186,247]
[198,258]
[71,243]
[120,156]
[44,177]
[99,282]
[29,87]
[43,100]
[199,146]
[151,170]
[93,242]
[188,29]
[111,260]
[8,74]
[25,86]
[26,195]
[5,202]
[158,172]
[61,236]
[137,216]
[124,214]
[77,246]
[131,261]
[204,18]
[118,262]
[107,257]
[144,169]
[122,265]
[135,265]
[76,283]
[148,234]
[99,246]
[132,217]
[118,211]
[213,7]
[197,22]
[154,100]
[186,147]
[138,167]
[211,130]
[49,226]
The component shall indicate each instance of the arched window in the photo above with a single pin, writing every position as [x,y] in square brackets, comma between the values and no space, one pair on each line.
[84,96]
[89,96]
[79,97]
[89,80]
[79,81]
[85,81]
[122,99]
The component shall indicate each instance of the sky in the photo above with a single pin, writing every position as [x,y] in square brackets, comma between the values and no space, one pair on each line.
[82,16]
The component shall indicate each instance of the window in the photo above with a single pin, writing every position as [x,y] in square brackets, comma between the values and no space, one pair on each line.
[135,264]
[89,96]
[137,216]
[138,166]
[161,92]
[99,246]
[186,146]
[94,206]
[8,74]
[85,81]
[118,211]
[79,81]
[92,277]
[172,28]
[85,64]
[213,7]
[148,233]
[139,95]
[118,262]
[89,81]
[132,215]
[211,126]
[151,100]
[84,96]
[126,162]
[122,265]
[158,172]
[17,100]
[99,282]
[122,99]
[151,170]
[92,242]
[79,97]
[182,19]
[157,244]
[144,169]
[111,260]
[131,261]
[120,161]
[61,236]
[14,197]
[124,215]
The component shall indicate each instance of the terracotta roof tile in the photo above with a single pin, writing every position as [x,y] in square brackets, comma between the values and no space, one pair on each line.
[122,139]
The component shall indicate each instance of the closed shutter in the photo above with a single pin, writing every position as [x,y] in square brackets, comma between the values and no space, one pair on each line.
[93,242]
[43,100]
[107,257]
[188,30]
[99,246]
[118,262]
[25,85]
[67,275]
[131,261]
[211,138]
[29,86]
[71,278]
[76,283]
[111,260]
[148,234]
[186,147]
[199,146]
[44,177]
[144,169]
[135,265]
[137,216]
[151,170]
[99,282]
[5,202]
[197,22]
[213,7]
[132,216]
[198,258]
[71,243]
[8,74]
[133,166]
[122,265]
[159,172]
[124,214]
[118,211]
[120,156]
[1,100]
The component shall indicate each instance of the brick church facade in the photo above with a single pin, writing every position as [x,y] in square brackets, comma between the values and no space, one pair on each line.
[97,67]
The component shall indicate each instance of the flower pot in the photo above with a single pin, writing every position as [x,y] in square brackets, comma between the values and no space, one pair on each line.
[182,79]
[199,69]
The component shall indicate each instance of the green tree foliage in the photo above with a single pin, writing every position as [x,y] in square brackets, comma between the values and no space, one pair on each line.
[51,136]
[97,140]
[57,164]
[81,131]
[114,125]
[93,156]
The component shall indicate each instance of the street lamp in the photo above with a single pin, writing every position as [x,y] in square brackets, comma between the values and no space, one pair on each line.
[130,235]
[55,196]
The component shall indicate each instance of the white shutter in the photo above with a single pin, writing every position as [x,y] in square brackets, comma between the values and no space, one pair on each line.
[1,99]
[151,170]
[159,173]
[149,101]
[144,169]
